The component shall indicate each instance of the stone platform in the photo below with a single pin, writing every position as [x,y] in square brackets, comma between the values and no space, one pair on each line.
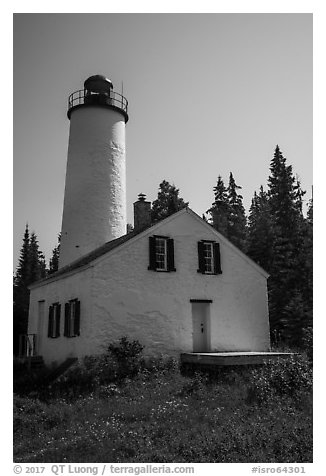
[232,358]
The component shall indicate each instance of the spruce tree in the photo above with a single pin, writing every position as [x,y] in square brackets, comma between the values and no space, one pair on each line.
[284,203]
[236,217]
[305,265]
[295,319]
[259,238]
[54,260]
[36,260]
[31,267]
[308,253]
[21,292]
[310,212]
[284,195]
[22,275]
[167,202]
[219,211]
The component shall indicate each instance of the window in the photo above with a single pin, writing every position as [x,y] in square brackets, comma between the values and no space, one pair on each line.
[54,320]
[209,259]
[72,318]
[161,253]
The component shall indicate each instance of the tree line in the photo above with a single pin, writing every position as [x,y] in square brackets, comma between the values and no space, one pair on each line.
[276,235]
[31,268]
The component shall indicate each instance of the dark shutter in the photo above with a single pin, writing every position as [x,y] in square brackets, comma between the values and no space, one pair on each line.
[50,326]
[66,326]
[217,259]
[170,256]
[201,261]
[77,319]
[152,255]
[57,330]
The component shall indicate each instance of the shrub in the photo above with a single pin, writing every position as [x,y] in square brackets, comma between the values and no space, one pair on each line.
[109,390]
[307,342]
[128,356]
[285,377]
[25,382]
[160,365]
[195,385]
[27,414]
[148,419]
[291,375]
[93,373]
[32,417]
[103,367]
[260,389]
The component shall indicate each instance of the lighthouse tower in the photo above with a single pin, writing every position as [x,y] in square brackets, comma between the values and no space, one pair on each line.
[94,209]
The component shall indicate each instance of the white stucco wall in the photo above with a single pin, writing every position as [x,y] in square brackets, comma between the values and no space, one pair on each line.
[120,296]
[75,286]
[155,307]
[94,209]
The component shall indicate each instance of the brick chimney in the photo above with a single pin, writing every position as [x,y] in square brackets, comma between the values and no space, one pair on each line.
[142,213]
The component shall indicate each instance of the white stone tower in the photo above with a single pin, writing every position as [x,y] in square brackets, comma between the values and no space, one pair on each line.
[94,209]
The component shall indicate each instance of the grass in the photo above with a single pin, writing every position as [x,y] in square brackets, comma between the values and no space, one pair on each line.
[159,415]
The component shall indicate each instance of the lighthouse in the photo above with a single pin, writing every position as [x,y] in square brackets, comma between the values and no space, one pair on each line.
[94,209]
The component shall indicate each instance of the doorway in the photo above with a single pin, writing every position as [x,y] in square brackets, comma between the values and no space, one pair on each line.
[201,325]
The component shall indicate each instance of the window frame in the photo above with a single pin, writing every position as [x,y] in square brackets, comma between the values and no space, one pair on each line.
[72,314]
[168,255]
[215,258]
[158,240]
[209,264]
[54,320]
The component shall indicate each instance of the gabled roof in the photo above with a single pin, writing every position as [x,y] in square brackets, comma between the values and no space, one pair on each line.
[113,244]
[88,258]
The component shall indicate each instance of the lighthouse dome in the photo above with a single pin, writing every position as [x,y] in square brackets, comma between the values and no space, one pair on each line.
[98,84]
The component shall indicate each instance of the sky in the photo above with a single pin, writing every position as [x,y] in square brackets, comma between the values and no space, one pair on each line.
[208,94]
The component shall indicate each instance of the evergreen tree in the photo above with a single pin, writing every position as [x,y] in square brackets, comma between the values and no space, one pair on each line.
[306,263]
[54,260]
[259,239]
[309,256]
[31,267]
[310,212]
[236,217]
[299,194]
[219,210]
[284,195]
[20,291]
[287,227]
[22,275]
[167,202]
[295,319]
[36,260]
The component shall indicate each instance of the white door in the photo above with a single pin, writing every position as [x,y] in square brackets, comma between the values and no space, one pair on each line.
[201,326]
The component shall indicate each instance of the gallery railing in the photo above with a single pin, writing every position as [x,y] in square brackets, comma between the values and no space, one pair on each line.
[82,96]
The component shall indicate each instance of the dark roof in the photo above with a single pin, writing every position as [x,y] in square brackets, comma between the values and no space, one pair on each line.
[101,250]
[84,260]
